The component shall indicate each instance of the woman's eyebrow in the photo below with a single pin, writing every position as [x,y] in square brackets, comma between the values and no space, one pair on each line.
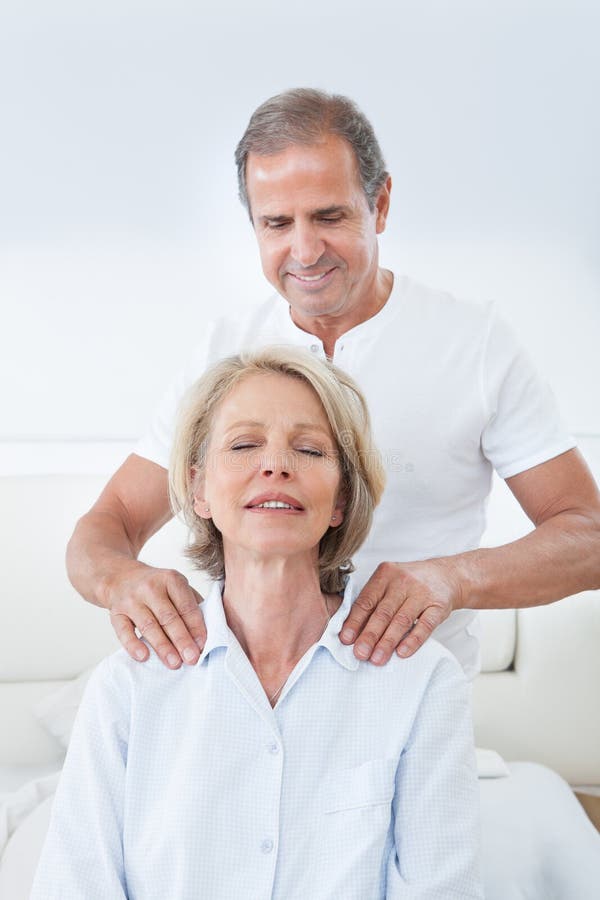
[311,426]
[297,426]
[245,423]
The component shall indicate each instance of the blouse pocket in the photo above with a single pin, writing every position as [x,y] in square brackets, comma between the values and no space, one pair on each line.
[370,784]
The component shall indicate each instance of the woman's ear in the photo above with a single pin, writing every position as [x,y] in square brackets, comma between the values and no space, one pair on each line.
[201,505]
[337,516]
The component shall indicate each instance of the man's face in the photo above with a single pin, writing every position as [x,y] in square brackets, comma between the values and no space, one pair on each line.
[316,234]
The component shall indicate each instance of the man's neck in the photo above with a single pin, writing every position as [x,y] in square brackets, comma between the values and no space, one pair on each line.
[330,328]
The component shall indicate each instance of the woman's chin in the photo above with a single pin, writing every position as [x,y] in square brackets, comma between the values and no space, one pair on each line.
[266,547]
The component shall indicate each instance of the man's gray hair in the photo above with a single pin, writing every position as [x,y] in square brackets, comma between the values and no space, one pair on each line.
[306,116]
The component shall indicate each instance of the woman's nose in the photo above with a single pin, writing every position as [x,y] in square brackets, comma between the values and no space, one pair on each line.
[276,463]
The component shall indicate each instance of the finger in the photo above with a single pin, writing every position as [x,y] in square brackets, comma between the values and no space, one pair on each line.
[385,617]
[362,608]
[125,631]
[150,627]
[429,619]
[401,625]
[184,622]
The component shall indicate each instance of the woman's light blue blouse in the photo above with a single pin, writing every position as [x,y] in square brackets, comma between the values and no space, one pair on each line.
[360,783]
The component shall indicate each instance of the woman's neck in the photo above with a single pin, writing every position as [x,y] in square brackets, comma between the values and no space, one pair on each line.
[276,609]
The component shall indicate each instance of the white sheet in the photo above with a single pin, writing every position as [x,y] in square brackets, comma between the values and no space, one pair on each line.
[538,843]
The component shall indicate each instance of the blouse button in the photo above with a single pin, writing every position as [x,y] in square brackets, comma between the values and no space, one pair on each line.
[266,846]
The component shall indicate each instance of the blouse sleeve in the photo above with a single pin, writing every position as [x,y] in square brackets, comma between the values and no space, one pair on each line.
[83,852]
[436,803]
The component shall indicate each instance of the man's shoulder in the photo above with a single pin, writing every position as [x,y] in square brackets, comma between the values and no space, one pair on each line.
[442,307]
[235,331]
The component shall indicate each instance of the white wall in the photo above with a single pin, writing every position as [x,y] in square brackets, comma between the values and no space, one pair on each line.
[120,230]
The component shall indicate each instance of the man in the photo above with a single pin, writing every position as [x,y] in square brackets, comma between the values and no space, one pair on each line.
[450,393]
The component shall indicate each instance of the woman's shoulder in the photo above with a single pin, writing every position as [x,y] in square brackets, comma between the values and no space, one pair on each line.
[432,663]
[120,669]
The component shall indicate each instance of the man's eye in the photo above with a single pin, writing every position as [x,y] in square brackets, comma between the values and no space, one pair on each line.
[331,219]
[244,445]
[277,226]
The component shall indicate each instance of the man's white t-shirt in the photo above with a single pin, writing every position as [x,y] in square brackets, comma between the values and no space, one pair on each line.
[452,397]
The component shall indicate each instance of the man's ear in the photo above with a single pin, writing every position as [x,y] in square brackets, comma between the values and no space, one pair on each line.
[382,205]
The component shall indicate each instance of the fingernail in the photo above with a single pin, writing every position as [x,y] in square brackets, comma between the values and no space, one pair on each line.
[348,634]
[189,654]
[403,651]
[173,659]
[140,654]
[200,642]
[377,656]
[363,650]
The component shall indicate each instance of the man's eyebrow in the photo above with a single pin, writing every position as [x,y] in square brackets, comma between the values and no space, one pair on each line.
[331,210]
[334,210]
[274,219]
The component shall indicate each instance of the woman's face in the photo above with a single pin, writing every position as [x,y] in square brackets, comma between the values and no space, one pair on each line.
[272,476]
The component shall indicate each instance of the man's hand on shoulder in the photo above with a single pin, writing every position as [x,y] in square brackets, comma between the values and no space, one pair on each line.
[102,565]
[399,607]
[163,607]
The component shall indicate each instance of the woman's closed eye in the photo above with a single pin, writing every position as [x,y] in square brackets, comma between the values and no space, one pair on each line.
[311,451]
[255,444]
[244,445]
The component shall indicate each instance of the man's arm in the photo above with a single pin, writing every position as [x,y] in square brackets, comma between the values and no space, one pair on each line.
[561,556]
[102,565]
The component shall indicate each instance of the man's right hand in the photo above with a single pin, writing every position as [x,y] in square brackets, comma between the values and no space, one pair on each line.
[103,566]
[163,607]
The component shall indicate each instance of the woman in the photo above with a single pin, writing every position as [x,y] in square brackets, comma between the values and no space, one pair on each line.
[280,765]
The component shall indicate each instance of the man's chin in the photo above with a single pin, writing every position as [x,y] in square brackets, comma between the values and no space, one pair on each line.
[313,306]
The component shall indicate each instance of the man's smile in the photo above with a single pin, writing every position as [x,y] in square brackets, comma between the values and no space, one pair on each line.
[317,280]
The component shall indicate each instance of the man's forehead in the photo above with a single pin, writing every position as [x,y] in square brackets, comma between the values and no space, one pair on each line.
[315,183]
[331,161]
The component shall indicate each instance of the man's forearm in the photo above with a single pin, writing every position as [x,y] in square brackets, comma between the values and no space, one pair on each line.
[560,557]
[98,550]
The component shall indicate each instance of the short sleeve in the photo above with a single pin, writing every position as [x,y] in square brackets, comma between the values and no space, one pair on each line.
[156,443]
[524,427]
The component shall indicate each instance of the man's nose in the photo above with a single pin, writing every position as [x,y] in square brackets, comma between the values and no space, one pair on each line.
[307,245]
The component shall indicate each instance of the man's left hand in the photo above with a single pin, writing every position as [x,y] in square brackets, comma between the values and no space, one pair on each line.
[399,607]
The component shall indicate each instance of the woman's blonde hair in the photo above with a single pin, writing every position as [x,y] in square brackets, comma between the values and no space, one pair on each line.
[362,475]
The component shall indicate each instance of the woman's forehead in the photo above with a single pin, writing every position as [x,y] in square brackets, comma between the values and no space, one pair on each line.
[271,398]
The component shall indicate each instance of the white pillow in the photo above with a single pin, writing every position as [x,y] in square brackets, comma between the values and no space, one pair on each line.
[490,764]
[57,710]
[16,807]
